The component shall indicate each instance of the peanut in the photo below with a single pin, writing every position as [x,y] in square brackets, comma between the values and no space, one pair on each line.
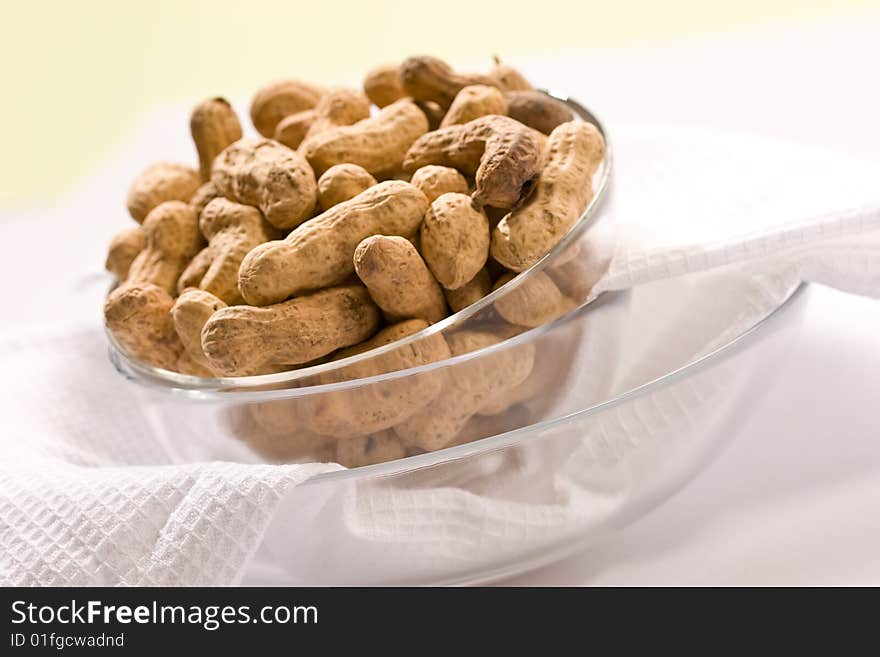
[139,317]
[291,130]
[576,276]
[319,253]
[158,183]
[574,152]
[495,214]
[232,231]
[494,269]
[204,195]
[509,79]
[383,86]
[398,279]
[214,125]
[484,425]
[244,340]
[368,450]
[505,156]
[388,335]
[339,107]
[473,102]
[469,293]
[280,99]
[274,431]
[431,79]
[195,271]
[378,144]
[537,110]
[379,405]
[342,182]
[455,240]
[190,313]
[469,386]
[186,365]
[536,301]
[542,385]
[269,176]
[124,248]
[435,180]
[172,239]
[433,112]
[277,418]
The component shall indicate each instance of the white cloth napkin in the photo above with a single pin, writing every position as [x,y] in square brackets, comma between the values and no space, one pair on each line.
[91,495]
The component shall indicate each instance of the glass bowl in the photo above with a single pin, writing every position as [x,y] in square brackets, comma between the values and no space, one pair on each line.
[476,373]
[524,445]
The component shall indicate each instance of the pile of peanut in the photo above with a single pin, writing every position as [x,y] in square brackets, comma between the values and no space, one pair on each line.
[343,227]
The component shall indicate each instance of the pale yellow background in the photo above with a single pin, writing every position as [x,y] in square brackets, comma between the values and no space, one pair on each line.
[77,76]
